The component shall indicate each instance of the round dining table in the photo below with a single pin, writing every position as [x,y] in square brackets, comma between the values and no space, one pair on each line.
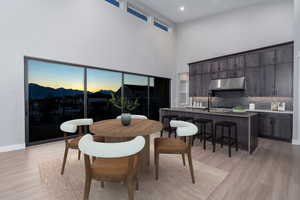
[113,131]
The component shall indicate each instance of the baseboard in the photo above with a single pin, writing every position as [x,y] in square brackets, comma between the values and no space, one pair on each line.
[12,147]
[296,142]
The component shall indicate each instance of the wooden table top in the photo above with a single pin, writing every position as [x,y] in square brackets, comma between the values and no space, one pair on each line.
[114,128]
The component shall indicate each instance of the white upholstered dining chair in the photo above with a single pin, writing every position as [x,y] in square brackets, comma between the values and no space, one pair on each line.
[176,145]
[71,127]
[114,162]
[135,117]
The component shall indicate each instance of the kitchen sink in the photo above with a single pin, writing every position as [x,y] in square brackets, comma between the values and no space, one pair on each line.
[220,110]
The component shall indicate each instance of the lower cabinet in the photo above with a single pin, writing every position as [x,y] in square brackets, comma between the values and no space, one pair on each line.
[276,126]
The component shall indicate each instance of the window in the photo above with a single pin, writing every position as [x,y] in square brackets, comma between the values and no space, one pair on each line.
[114,2]
[57,92]
[55,95]
[159,96]
[136,89]
[161,25]
[101,84]
[183,88]
[136,13]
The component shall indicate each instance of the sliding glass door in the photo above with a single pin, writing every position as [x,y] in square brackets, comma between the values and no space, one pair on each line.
[101,85]
[136,89]
[57,92]
[55,95]
[159,96]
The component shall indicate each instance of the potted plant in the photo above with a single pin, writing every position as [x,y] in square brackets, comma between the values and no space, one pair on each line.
[125,106]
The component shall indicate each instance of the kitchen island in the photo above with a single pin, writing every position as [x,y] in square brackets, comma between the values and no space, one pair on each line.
[247,122]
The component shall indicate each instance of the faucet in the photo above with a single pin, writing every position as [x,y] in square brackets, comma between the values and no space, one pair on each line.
[209,95]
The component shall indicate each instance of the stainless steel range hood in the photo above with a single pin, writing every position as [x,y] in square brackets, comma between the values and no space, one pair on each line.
[227,84]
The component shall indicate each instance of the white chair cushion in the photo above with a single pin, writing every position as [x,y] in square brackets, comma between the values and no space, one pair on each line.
[110,150]
[71,126]
[184,128]
[135,117]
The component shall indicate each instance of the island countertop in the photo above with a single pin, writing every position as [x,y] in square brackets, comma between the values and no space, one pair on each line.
[212,112]
[247,122]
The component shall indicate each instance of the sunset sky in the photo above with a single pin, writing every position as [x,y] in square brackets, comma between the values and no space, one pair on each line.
[71,77]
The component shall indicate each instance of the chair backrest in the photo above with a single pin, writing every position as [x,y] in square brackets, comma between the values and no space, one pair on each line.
[135,117]
[184,128]
[110,150]
[71,126]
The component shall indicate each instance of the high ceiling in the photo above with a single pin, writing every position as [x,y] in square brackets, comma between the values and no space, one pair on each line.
[195,9]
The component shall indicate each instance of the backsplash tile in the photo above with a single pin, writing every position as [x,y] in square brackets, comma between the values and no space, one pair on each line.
[260,102]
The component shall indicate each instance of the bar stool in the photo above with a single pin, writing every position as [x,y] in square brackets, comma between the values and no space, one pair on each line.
[203,134]
[232,140]
[166,124]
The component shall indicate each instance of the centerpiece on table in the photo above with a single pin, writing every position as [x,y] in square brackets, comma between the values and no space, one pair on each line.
[125,106]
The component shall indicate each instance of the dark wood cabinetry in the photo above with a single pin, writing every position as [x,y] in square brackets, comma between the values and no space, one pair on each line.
[284,80]
[253,81]
[276,126]
[268,72]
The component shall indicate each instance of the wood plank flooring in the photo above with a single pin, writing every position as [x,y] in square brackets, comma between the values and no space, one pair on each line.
[271,173]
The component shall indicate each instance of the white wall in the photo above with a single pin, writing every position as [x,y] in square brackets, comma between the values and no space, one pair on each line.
[296,124]
[89,32]
[235,31]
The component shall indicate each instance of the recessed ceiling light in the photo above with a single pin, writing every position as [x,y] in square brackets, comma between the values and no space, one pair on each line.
[181,8]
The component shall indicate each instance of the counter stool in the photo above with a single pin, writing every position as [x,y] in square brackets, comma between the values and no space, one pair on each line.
[166,124]
[203,134]
[232,140]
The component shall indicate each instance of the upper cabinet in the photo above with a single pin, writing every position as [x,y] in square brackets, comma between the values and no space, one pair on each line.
[285,54]
[252,59]
[268,57]
[268,71]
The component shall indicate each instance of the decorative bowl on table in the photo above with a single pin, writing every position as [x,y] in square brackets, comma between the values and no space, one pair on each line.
[239,109]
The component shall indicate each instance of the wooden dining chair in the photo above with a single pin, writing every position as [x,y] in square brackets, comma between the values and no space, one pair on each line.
[71,127]
[135,117]
[182,145]
[115,162]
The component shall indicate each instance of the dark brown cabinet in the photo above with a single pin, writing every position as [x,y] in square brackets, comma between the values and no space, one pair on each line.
[276,126]
[206,78]
[268,72]
[215,67]
[252,59]
[253,81]
[284,80]
[268,81]
[285,54]
[268,57]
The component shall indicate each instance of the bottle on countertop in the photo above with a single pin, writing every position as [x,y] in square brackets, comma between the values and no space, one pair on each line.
[251,106]
[281,106]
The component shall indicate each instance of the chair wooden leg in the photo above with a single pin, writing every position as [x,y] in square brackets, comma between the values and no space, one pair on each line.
[156,165]
[137,184]
[79,153]
[183,159]
[102,184]
[222,137]
[130,189]
[161,133]
[87,187]
[65,160]
[191,166]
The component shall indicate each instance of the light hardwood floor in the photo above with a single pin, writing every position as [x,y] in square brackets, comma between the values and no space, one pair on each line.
[271,173]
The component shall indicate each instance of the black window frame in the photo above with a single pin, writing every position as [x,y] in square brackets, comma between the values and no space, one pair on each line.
[85,67]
